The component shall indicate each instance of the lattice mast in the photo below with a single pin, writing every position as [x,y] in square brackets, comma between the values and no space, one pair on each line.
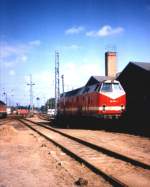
[63,89]
[57,91]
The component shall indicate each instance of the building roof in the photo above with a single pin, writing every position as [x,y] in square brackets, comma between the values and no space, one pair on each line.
[133,75]
[143,65]
[97,79]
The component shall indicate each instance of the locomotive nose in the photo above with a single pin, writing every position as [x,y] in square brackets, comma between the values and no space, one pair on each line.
[104,107]
[122,107]
[113,100]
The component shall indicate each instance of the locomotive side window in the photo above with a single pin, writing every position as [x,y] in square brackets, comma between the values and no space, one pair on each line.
[97,88]
[106,87]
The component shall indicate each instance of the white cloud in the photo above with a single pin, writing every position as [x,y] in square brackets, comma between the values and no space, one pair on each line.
[76,75]
[91,33]
[74,30]
[9,64]
[13,54]
[35,43]
[6,50]
[24,58]
[12,72]
[104,31]
[73,47]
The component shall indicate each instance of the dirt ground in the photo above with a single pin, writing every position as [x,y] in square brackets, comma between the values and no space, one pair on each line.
[136,147]
[27,160]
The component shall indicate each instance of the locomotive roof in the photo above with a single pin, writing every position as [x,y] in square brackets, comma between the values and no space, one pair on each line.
[2,103]
[80,91]
[97,79]
[90,86]
[72,92]
[85,89]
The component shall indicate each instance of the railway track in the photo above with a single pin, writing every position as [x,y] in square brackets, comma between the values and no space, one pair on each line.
[3,121]
[94,157]
[43,116]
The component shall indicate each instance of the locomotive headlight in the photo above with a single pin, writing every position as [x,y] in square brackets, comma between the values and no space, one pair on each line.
[104,107]
[122,107]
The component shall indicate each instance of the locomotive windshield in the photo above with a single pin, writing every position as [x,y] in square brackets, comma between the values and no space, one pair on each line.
[117,86]
[106,87]
[109,87]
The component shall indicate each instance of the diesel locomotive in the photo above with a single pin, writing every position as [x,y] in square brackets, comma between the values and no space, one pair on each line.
[105,99]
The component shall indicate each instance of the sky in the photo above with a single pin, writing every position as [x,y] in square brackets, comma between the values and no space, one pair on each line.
[80,30]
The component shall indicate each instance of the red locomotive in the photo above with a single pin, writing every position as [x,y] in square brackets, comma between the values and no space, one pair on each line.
[23,112]
[105,99]
[3,112]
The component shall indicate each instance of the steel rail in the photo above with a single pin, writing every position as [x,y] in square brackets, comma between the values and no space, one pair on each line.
[112,180]
[99,148]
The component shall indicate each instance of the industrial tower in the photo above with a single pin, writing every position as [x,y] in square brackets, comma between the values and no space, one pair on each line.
[110,64]
[57,91]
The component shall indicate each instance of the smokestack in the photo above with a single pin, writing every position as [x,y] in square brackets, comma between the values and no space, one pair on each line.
[110,64]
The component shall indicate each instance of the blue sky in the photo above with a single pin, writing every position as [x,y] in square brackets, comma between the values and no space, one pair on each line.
[81,30]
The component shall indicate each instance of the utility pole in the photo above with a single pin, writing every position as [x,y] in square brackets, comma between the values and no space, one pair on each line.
[12,95]
[31,84]
[5,94]
[57,91]
[63,89]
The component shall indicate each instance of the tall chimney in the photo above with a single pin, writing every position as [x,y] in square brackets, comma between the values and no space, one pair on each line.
[110,64]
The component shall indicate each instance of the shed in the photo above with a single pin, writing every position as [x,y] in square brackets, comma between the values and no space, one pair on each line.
[135,79]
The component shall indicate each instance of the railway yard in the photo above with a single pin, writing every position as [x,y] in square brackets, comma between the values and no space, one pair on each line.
[35,153]
[74,93]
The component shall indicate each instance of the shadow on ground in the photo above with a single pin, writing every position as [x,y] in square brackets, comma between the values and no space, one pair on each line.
[124,125]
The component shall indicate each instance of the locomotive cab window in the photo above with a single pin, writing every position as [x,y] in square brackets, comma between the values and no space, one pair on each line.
[106,87]
[116,86]
[97,88]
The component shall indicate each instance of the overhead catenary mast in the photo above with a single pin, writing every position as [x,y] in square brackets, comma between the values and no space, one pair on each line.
[63,89]
[31,84]
[57,91]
